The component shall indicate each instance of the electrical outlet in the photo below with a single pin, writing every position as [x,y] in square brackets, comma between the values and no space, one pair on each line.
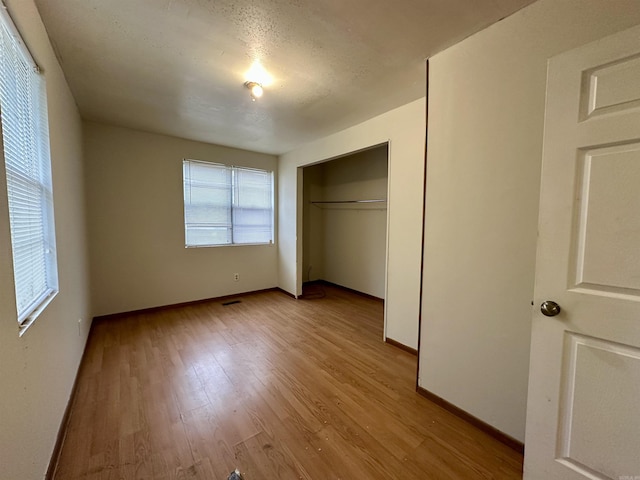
[236,277]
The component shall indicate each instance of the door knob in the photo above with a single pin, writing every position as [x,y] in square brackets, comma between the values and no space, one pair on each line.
[550,308]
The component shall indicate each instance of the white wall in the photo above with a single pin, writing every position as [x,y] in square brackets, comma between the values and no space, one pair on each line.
[136,224]
[346,243]
[486,117]
[37,370]
[404,128]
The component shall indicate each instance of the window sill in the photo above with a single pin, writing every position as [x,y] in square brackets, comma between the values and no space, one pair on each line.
[36,313]
[268,244]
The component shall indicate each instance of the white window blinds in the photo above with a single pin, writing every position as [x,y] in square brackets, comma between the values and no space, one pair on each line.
[226,205]
[207,204]
[25,138]
[252,206]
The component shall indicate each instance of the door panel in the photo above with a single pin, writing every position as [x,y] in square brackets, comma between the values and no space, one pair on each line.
[608,206]
[601,388]
[583,414]
[612,87]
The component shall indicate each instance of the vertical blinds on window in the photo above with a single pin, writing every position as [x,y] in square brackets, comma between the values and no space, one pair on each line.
[226,205]
[25,138]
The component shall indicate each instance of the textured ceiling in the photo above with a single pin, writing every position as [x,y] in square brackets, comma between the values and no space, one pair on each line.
[178,66]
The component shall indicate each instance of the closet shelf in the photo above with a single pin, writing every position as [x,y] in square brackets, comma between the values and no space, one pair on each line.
[368,204]
[377,200]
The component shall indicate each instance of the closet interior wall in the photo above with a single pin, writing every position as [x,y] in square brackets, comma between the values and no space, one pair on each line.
[344,240]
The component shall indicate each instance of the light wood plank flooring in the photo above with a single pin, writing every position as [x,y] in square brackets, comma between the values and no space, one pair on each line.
[279,388]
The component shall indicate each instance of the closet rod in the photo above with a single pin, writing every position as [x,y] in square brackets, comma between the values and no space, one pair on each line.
[352,201]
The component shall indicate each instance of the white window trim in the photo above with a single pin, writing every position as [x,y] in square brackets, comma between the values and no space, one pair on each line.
[26,318]
[273,207]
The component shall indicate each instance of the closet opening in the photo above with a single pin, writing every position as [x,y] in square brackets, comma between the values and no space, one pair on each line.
[344,236]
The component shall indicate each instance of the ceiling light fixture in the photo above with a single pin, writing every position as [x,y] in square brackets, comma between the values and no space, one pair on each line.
[255,88]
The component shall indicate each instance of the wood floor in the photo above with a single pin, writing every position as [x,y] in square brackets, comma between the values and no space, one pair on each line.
[279,388]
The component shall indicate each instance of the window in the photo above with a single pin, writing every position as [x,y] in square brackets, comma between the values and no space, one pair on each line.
[25,137]
[226,205]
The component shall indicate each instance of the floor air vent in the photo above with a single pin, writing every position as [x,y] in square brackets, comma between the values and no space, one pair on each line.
[231,302]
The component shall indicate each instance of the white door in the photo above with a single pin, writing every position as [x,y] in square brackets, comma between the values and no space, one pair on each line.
[583,416]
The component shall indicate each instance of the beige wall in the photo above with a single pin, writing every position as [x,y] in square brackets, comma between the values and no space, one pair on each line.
[136,224]
[37,370]
[404,129]
[486,116]
[313,224]
[346,243]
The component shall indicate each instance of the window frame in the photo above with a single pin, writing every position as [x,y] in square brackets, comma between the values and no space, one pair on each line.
[231,204]
[26,168]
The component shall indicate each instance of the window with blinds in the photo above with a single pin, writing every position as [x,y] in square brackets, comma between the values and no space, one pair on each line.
[25,138]
[226,205]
